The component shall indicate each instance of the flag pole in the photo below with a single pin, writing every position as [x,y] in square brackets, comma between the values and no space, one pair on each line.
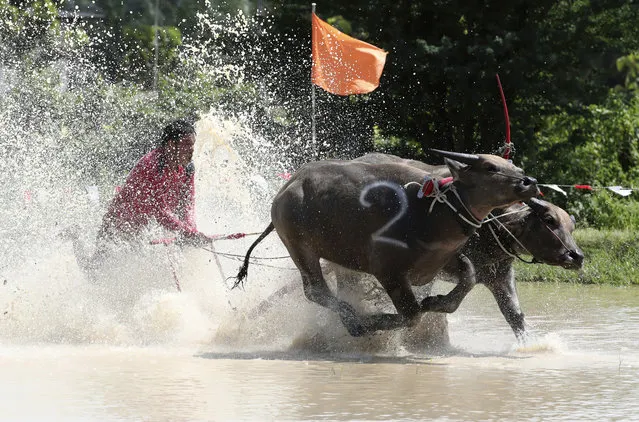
[156,46]
[313,135]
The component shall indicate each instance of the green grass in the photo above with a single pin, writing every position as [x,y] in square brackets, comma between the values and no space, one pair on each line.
[612,257]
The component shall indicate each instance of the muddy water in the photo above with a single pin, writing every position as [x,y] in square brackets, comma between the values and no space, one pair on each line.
[583,365]
[124,344]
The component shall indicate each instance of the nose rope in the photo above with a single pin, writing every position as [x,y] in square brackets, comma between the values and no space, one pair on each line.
[496,219]
[555,234]
[431,189]
[542,222]
[503,248]
[477,223]
[438,195]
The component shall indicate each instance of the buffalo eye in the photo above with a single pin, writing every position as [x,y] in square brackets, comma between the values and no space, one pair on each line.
[491,168]
[549,219]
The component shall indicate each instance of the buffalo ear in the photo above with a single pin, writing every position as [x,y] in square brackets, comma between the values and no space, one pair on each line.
[455,167]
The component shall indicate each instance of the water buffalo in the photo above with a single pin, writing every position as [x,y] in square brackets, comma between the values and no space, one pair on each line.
[537,228]
[369,218]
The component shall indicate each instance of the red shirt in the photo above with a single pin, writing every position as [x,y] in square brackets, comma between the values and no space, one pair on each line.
[153,191]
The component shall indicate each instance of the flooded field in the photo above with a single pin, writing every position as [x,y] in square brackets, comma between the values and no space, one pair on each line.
[583,365]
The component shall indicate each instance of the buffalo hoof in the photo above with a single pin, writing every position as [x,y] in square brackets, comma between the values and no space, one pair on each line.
[356,330]
[351,320]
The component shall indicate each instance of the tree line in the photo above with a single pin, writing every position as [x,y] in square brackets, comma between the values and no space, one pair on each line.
[569,71]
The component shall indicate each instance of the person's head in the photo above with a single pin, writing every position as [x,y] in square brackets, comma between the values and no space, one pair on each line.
[178,138]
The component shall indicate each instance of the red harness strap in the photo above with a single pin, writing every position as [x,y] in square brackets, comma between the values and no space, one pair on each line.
[429,185]
[507,145]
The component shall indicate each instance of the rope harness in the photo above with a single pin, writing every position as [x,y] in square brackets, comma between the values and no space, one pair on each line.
[431,188]
[555,234]
[240,258]
[437,190]
[496,237]
[534,260]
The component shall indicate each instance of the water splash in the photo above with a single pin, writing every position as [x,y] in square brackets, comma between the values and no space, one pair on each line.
[548,343]
[70,137]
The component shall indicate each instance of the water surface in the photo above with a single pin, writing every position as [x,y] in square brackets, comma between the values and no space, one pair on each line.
[583,366]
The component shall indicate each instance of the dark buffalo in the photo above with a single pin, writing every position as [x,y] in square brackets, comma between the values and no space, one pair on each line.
[537,228]
[368,217]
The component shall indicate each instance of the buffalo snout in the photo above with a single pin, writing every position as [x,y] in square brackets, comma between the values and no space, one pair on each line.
[577,257]
[573,259]
[528,187]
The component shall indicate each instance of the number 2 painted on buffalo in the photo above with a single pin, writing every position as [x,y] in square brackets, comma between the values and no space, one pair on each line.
[378,236]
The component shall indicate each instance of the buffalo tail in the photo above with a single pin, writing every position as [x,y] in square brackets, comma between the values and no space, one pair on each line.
[243,272]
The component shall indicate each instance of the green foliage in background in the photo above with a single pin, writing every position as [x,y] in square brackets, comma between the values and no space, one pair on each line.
[139,57]
[598,146]
[25,26]
[611,257]
[569,74]
[569,70]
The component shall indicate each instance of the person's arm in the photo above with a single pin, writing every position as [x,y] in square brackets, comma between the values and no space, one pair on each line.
[188,203]
[182,219]
[168,219]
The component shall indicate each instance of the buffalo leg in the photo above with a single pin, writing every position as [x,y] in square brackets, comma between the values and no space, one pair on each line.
[405,302]
[316,289]
[502,286]
[403,299]
[450,302]
[402,296]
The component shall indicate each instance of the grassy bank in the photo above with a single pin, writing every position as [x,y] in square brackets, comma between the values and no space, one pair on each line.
[612,257]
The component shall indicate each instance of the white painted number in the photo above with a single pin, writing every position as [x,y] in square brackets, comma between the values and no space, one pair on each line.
[378,236]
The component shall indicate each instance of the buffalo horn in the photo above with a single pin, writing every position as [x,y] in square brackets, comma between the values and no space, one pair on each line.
[536,205]
[458,156]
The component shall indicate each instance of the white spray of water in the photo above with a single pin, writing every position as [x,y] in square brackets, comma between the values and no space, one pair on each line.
[54,184]
[134,300]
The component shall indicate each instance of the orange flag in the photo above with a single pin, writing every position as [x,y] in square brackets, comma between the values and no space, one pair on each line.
[343,65]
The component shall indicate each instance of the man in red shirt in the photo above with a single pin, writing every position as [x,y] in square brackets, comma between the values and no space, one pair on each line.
[160,187]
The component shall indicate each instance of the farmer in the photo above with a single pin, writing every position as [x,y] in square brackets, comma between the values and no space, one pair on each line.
[160,187]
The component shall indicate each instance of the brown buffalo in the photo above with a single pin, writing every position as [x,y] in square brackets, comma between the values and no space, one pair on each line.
[368,217]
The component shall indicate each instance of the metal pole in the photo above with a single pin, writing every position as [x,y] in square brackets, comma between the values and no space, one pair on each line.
[156,45]
[315,150]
